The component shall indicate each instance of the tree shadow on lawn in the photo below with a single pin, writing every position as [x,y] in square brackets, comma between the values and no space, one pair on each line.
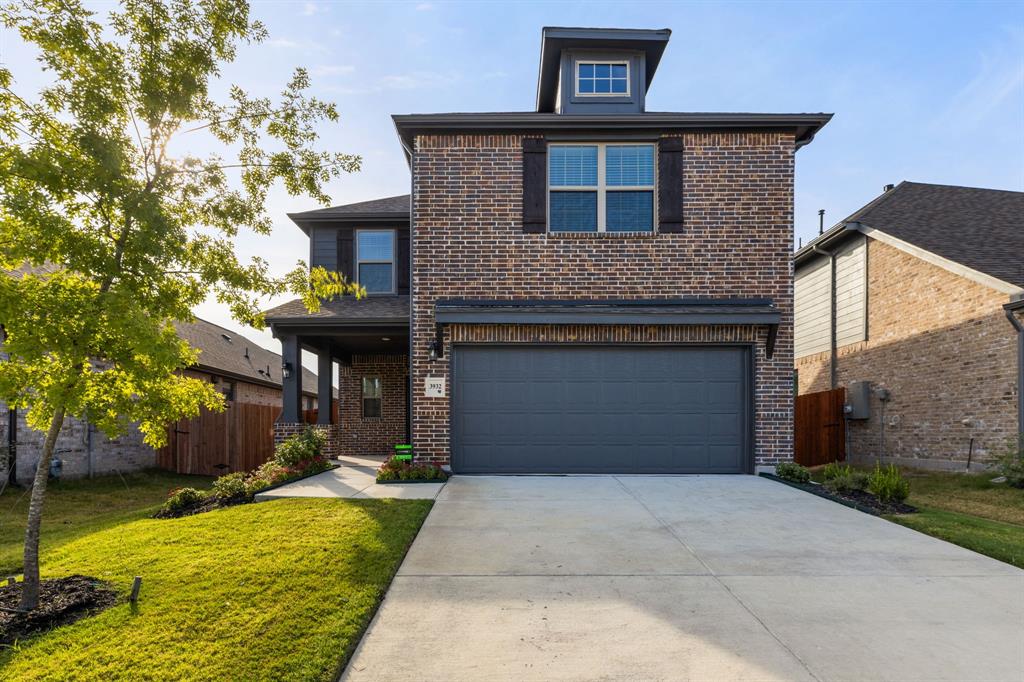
[274,590]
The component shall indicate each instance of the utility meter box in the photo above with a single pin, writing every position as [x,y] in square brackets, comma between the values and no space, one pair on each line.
[858,397]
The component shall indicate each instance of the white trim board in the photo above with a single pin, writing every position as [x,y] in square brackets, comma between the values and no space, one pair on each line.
[944,263]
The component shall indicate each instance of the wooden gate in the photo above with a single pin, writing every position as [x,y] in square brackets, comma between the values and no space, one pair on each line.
[820,428]
[238,439]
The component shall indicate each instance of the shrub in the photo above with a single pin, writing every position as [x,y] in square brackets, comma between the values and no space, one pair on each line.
[848,482]
[791,471]
[888,484]
[396,470]
[301,448]
[836,470]
[1011,464]
[182,498]
[229,486]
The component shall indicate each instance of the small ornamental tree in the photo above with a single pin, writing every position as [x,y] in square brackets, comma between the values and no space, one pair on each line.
[106,237]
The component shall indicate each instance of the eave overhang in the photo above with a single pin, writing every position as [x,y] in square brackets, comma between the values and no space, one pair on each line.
[408,126]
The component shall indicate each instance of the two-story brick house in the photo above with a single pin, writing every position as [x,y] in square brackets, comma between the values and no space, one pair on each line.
[586,287]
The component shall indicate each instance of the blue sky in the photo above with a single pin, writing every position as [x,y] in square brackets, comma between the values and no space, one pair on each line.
[930,92]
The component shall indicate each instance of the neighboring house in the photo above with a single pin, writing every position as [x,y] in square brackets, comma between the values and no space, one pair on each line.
[922,280]
[586,287]
[240,369]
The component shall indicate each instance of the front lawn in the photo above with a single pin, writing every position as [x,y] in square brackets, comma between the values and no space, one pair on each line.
[276,590]
[1002,541]
[79,507]
[967,510]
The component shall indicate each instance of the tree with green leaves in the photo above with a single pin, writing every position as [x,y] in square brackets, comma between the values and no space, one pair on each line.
[107,237]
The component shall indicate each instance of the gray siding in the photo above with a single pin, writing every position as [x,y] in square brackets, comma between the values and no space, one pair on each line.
[324,247]
[812,311]
[851,293]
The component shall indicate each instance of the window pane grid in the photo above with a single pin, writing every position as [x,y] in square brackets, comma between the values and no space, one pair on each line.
[593,78]
[622,198]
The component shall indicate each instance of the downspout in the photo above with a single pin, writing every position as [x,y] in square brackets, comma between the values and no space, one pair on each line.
[411,397]
[833,368]
[1010,309]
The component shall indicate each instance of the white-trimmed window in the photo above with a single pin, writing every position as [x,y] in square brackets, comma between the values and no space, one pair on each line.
[375,260]
[602,79]
[600,187]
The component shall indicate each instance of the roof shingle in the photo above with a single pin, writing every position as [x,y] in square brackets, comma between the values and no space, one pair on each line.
[369,309]
[223,350]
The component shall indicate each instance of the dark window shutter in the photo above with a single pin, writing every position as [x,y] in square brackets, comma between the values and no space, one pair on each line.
[670,185]
[535,187]
[402,263]
[346,255]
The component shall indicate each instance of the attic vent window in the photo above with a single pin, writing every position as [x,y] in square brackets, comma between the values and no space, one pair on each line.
[602,78]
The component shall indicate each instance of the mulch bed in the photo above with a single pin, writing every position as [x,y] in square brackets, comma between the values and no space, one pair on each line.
[857,499]
[61,601]
[207,504]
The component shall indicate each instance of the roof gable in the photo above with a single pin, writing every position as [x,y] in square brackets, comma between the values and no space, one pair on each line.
[980,229]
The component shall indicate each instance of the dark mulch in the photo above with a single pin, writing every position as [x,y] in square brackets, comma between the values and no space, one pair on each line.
[61,601]
[207,504]
[858,499]
[865,499]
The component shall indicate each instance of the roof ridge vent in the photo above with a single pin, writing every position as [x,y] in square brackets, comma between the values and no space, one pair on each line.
[225,337]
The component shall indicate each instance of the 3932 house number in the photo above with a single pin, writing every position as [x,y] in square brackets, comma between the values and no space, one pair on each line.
[434,387]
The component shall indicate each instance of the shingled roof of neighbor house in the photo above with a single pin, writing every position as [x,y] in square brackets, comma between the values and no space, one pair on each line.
[396,207]
[982,229]
[222,351]
[367,310]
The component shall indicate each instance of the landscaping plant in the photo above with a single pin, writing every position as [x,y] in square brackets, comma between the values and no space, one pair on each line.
[1010,463]
[399,470]
[836,470]
[850,481]
[791,471]
[107,237]
[229,486]
[183,498]
[888,484]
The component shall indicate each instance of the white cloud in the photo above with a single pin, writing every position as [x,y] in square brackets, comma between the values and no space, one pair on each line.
[309,9]
[424,7]
[999,76]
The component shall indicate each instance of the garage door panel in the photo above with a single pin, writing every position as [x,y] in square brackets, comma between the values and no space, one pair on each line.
[564,409]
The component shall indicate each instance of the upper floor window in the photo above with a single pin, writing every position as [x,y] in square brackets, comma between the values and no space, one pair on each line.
[375,260]
[602,78]
[601,187]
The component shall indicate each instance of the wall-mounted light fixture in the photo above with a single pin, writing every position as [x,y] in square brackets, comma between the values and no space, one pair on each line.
[286,370]
[436,350]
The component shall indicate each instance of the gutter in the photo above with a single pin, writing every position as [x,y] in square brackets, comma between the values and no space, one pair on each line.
[1011,310]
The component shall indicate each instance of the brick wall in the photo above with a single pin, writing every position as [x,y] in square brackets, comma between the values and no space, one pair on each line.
[361,435]
[81,448]
[468,242]
[942,345]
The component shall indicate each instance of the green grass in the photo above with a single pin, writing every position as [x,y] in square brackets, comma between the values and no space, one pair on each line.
[77,508]
[276,590]
[1002,541]
[965,509]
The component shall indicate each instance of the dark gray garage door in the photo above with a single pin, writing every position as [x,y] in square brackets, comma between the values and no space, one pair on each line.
[561,409]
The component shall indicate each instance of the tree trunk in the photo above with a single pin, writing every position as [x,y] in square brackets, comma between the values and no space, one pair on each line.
[30,587]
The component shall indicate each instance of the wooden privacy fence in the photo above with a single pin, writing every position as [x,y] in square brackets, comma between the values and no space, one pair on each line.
[820,427]
[310,416]
[238,439]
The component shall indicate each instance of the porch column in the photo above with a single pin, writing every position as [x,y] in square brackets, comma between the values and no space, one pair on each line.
[291,385]
[324,394]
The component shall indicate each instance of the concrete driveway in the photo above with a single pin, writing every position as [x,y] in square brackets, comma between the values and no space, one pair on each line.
[687,577]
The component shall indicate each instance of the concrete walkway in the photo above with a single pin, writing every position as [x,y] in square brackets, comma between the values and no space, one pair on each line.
[689,577]
[356,477]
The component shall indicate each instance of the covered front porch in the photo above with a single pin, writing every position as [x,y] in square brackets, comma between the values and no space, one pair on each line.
[362,346]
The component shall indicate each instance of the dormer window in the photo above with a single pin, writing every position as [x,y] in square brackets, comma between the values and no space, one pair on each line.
[602,79]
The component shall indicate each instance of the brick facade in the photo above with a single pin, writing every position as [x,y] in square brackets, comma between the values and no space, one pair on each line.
[359,435]
[468,242]
[942,345]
